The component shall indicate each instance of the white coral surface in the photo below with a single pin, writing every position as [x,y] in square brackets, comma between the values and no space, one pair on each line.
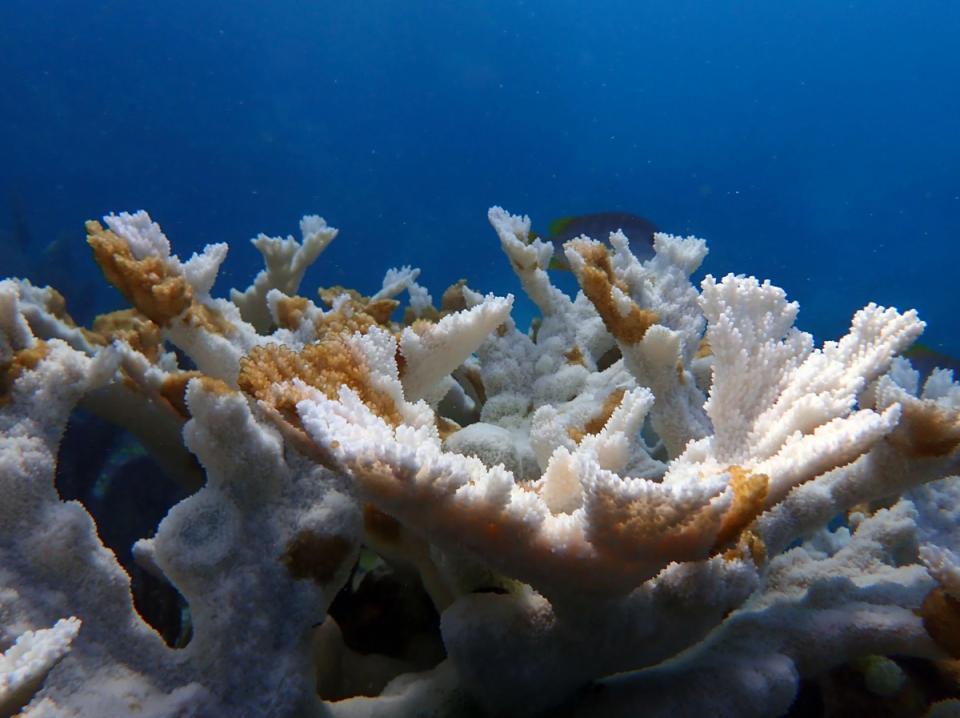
[26,663]
[655,511]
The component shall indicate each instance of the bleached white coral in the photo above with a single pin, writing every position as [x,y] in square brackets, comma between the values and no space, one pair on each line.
[778,405]
[658,359]
[398,280]
[636,493]
[286,260]
[784,417]
[433,353]
[142,234]
[224,547]
[201,269]
[27,662]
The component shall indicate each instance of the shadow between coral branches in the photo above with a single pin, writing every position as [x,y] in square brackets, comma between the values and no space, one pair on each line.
[107,470]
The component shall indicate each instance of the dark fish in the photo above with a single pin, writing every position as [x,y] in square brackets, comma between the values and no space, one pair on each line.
[638,230]
[925,360]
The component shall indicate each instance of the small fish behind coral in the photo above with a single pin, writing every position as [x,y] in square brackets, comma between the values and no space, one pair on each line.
[599,226]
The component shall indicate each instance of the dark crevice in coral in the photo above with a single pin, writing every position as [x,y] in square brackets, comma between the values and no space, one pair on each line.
[85,449]
[161,605]
[844,692]
[389,612]
[184,362]
[107,470]
[136,495]
[808,703]
[609,358]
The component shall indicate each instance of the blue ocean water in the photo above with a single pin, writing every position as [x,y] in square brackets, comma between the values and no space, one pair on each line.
[814,144]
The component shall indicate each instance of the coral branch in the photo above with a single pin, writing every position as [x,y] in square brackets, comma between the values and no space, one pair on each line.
[633,494]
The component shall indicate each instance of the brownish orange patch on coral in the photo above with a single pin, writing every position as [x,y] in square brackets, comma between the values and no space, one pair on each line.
[311,555]
[23,360]
[941,619]
[445,427]
[927,431]
[329,294]
[344,322]
[575,356]
[429,314]
[365,312]
[381,310]
[421,327]
[57,306]
[869,508]
[643,528]
[174,390]
[148,284]
[750,545]
[290,311]
[597,280]
[610,404]
[354,316]
[595,424]
[680,372]
[267,372]
[453,299]
[209,319]
[131,326]
[380,526]
[215,386]
[704,350]
[749,493]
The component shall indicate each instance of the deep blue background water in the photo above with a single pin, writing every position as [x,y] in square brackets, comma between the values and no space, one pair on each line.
[813,144]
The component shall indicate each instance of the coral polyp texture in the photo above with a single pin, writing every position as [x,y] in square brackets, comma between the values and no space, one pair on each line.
[659,500]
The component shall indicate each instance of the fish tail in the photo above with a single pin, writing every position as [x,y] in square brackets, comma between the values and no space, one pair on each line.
[559,261]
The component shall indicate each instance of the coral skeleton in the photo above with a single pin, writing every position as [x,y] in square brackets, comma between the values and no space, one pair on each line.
[659,500]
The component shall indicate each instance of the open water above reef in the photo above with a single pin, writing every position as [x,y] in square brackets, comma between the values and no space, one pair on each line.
[814,144]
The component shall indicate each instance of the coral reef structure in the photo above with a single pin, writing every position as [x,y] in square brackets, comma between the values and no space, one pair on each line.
[657,500]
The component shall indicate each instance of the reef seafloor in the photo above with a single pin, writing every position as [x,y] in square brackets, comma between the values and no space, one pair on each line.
[657,501]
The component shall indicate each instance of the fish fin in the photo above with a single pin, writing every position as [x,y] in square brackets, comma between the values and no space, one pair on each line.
[559,263]
[557,226]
